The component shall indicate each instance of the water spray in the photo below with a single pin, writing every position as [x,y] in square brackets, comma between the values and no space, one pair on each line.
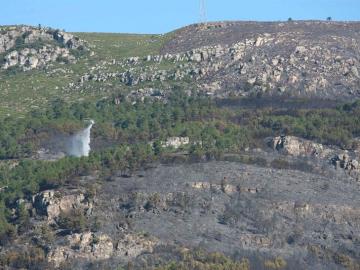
[79,144]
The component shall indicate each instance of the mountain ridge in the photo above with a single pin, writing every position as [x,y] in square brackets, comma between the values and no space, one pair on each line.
[223,59]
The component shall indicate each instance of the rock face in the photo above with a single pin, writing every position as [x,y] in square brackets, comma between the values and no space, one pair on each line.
[98,247]
[28,47]
[31,58]
[85,246]
[298,147]
[51,203]
[295,146]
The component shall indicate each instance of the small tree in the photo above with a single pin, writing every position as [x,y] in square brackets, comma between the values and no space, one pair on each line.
[158,149]
[23,218]
[329,19]
[290,19]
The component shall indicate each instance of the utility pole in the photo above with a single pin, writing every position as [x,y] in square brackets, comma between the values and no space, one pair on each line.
[203,15]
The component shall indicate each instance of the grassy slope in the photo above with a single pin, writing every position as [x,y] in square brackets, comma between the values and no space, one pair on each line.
[116,46]
[22,91]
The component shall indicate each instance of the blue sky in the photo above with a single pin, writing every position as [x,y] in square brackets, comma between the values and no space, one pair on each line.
[160,16]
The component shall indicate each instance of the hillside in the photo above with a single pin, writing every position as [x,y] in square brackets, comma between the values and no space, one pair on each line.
[226,145]
[296,59]
[305,58]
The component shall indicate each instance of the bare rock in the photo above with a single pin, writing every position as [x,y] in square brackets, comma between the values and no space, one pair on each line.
[176,142]
[133,245]
[343,161]
[86,246]
[51,203]
[16,43]
[300,49]
[295,146]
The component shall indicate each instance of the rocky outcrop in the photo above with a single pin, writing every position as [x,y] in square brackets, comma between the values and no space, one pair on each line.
[298,147]
[29,47]
[343,161]
[132,245]
[276,58]
[261,241]
[223,187]
[291,145]
[51,203]
[150,93]
[176,142]
[9,37]
[98,247]
[86,246]
[29,59]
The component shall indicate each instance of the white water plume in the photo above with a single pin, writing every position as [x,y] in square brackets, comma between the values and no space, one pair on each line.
[79,144]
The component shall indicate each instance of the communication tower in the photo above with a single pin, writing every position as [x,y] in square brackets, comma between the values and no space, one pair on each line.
[203,15]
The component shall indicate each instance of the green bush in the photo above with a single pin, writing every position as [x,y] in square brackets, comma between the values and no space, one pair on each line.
[74,221]
[277,264]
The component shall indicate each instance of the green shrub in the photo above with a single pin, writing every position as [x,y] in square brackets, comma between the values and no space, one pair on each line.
[277,263]
[74,221]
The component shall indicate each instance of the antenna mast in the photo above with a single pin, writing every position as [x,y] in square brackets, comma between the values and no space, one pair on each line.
[203,15]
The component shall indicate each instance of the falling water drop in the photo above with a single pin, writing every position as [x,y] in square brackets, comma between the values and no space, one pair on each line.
[79,145]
